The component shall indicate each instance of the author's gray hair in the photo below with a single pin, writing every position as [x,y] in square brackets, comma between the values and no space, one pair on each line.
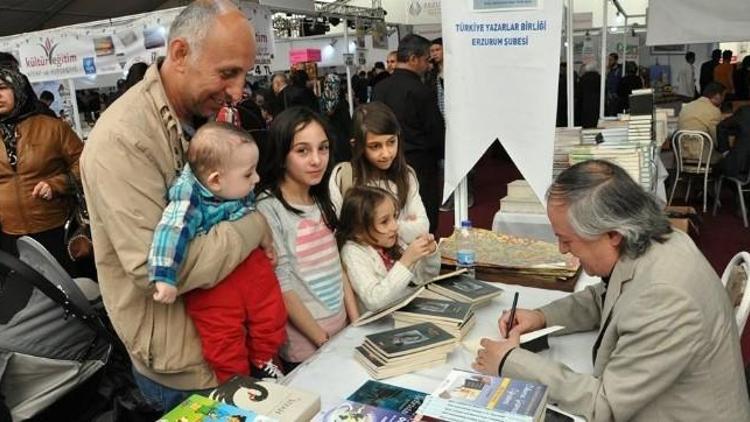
[194,22]
[603,198]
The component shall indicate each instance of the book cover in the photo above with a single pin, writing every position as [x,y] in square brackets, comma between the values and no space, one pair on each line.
[406,340]
[484,394]
[468,287]
[387,396]
[352,411]
[268,398]
[202,409]
[446,310]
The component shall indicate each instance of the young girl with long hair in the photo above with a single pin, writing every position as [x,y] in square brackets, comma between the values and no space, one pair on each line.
[295,167]
[380,269]
[378,160]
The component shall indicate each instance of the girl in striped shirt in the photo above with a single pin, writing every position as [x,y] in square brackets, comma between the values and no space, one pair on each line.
[295,167]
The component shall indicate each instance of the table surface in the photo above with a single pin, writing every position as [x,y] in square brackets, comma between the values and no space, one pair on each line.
[334,374]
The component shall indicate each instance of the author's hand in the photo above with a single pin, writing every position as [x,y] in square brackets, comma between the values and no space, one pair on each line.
[492,352]
[526,320]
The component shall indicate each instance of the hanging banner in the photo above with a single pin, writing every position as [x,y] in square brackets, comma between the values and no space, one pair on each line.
[501,76]
[104,47]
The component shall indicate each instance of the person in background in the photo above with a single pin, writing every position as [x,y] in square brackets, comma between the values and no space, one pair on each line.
[707,69]
[359,87]
[39,160]
[736,162]
[630,82]
[612,86]
[379,266]
[47,98]
[667,336]
[335,109]
[10,61]
[293,196]
[686,83]
[136,72]
[704,114]
[286,95]
[419,117]
[301,80]
[378,74]
[390,62]
[724,73]
[742,80]
[134,153]
[587,96]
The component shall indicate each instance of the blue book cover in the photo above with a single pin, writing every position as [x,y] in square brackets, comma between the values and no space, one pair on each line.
[352,411]
[386,396]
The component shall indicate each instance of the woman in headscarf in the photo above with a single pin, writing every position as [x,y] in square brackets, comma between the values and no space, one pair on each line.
[335,109]
[38,156]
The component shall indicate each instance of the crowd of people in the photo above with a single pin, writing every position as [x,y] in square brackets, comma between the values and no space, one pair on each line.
[238,233]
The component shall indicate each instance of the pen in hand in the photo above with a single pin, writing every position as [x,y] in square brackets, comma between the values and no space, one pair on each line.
[512,318]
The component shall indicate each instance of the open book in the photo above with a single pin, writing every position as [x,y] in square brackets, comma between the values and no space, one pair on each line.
[402,301]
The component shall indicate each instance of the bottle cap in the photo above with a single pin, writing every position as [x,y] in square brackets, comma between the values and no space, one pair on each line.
[466,224]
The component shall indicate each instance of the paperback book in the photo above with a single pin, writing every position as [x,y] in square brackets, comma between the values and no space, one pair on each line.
[202,409]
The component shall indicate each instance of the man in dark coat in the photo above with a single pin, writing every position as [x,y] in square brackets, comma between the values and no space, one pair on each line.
[422,125]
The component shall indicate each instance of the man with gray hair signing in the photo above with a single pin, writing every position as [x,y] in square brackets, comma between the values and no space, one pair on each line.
[132,156]
[667,347]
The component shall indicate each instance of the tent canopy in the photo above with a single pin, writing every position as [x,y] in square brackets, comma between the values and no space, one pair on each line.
[17,17]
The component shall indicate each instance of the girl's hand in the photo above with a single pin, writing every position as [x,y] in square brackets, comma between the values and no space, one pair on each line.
[422,246]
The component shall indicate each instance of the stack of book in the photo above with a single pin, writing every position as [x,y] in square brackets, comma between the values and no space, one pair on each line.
[521,199]
[467,396]
[639,129]
[627,156]
[403,350]
[276,401]
[565,139]
[377,402]
[463,288]
[456,318]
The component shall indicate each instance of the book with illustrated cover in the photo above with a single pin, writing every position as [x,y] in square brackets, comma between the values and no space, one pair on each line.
[405,299]
[411,339]
[465,289]
[359,412]
[268,398]
[202,409]
[458,330]
[442,310]
[463,394]
[387,396]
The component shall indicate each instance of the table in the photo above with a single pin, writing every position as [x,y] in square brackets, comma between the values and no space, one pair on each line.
[334,374]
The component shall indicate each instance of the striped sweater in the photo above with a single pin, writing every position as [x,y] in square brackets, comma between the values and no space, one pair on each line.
[308,260]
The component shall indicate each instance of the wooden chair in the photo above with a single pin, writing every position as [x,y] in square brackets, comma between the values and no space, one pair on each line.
[693,150]
[735,279]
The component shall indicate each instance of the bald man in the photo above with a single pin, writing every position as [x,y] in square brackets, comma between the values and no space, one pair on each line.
[133,155]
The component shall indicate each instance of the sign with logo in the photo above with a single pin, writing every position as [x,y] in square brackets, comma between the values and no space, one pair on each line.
[422,12]
[57,57]
[361,56]
[348,59]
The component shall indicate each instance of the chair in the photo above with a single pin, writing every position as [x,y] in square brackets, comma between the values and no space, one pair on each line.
[742,184]
[693,150]
[52,340]
[735,279]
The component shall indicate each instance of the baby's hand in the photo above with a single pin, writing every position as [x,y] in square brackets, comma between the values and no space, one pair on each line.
[165,292]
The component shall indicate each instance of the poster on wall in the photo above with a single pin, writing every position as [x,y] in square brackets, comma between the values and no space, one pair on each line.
[500,68]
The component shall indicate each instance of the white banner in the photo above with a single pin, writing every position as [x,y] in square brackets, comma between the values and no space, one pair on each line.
[501,80]
[100,48]
[697,21]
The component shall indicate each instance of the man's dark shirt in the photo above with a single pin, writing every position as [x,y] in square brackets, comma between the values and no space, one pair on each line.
[416,109]
[707,73]
[738,160]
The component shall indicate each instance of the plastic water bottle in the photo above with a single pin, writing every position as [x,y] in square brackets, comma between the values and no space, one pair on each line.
[465,255]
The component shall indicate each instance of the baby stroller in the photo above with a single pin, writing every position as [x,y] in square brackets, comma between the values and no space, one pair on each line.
[53,332]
